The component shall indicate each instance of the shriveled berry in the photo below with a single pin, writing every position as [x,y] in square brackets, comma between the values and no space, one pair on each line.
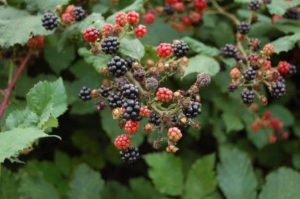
[122,142]
[203,79]
[151,83]
[139,74]
[293,70]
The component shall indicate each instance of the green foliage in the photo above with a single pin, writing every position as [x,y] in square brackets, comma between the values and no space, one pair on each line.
[202,63]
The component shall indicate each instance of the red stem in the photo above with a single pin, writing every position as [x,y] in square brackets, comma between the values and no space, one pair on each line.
[13,82]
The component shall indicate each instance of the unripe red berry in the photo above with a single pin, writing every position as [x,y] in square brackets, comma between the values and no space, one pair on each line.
[235,73]
[122,142]
[267,65]
[272,139]
[174,134]
[276,123]
[132,126]
[171,2]
[195,17]
[70,9]
[267,115]
[121,19]
[149,17]
[179,7]
[164,94]
[186,20]
[90,34]
[164,50]
[171,148]
[255,127]
[36,42]
[133,17]
[144,111]
[179,27]
[140,31]
[283,67]
[107,29]
[67,18]
[200,4]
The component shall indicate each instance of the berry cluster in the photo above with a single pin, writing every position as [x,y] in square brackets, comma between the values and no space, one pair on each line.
[181,14]
[70,15]
[107,40]
[132,91]
[259,71]
[268,121]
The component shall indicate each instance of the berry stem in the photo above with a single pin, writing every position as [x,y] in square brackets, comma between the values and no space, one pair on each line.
[13,82]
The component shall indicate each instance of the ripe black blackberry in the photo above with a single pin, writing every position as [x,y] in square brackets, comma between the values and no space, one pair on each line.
[248,96]
[229,50]
[115,100]
[132,110]
[100,105]
[293,69]
[130,155]
[250,74]
[254,5]
[117,66]
[180,48]
[243,28]
[49,21]
[277,89]
[232,87]
[130,62]
[110,45]
[292,13]
[79,13]
[154,118]
[192,110]
[169,10]
[104,91]
[130,91]
[85,93]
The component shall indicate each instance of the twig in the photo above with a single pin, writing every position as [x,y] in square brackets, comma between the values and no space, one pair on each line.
[13,82]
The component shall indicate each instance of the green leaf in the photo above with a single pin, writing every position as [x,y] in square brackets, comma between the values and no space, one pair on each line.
[232,122]
[202,63]
[57,57]
[21,118]
[30,25]
[283,114]
[281,184]
[201,180]
[115,190]
[200,47]
[137,5]
[13,141]
[286,43]
[36,187]
[166,173]
[86,183]
[98,61]
[235,175]
[142,188]
[279,7]
[132,47]
[8,183]
[37,5]
[242,1]
[47,99]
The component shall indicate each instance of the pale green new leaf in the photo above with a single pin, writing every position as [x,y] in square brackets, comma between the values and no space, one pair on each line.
[281,184]
[235,175]
[286,43]
[202,63]
[36,187]
[201,180]
[21,118]
[132,47]
[17,139]
[200,47]
[166,173]
[86,183]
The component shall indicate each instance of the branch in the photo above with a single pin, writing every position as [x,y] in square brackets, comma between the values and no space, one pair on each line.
[13,82]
